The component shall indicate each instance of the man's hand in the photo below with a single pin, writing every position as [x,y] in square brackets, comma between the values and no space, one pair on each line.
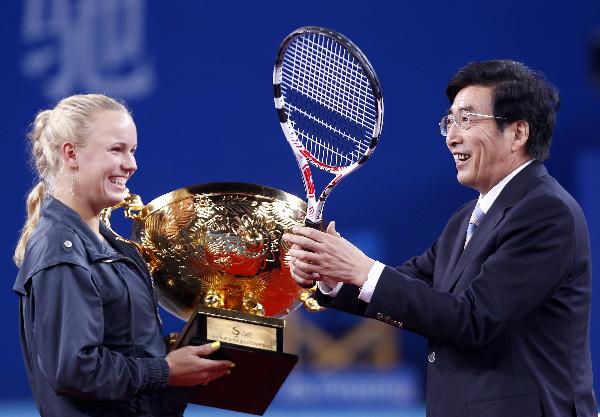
[318,256]
[187,367]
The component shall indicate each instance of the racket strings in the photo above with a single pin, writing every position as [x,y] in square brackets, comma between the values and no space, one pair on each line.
[327,143]
[328,153]
[326,72]
[334,59]
[359,144]
[326,65]
[329,99]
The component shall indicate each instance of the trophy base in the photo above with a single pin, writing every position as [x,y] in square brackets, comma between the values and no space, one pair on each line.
[259,373]
[252,384]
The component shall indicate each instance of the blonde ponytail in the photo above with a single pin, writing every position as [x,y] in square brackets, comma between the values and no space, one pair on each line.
[34,204]
[67,121]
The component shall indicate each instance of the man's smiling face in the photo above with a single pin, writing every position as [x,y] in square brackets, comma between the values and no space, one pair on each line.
[483,155]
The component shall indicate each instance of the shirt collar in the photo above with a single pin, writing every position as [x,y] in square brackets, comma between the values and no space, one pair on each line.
[485,202]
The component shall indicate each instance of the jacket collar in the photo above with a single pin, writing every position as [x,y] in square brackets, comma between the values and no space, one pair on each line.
[518,186]
[510,195]
[57,211]
[64,222]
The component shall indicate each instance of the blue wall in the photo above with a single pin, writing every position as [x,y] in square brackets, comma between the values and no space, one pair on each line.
[197,75]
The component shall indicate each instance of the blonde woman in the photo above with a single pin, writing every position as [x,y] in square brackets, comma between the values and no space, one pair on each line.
[89,325]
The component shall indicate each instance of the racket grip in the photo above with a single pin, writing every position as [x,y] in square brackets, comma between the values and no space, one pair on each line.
[318,225]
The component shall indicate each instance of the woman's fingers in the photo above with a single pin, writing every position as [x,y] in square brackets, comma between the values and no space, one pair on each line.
[188,366]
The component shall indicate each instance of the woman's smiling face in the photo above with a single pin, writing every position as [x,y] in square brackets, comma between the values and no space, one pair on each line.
[107,161]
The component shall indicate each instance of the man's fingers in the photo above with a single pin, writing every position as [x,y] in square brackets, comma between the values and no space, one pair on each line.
[310,233]
[301,241]
[304,255]
[300,273]
[304,268]
[306,283]
[331,229]
[302,278]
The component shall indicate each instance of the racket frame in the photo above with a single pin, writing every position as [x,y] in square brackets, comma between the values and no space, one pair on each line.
[304,158]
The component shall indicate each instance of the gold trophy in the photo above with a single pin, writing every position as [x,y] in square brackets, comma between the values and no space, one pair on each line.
[218,262]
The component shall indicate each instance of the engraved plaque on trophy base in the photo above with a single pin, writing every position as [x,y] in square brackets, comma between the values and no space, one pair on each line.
[254,344]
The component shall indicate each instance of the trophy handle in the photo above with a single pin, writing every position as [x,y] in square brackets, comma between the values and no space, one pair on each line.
[132,206]
[310,304]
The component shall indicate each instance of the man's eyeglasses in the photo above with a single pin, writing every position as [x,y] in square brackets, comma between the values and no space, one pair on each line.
[463,120]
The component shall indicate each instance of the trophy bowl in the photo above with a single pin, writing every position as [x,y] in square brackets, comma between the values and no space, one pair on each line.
[219,245]
[218,262]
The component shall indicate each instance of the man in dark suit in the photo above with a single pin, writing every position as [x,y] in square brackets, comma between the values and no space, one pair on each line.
[503,295]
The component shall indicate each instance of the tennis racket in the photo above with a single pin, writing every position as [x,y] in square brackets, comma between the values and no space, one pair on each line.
[330,107]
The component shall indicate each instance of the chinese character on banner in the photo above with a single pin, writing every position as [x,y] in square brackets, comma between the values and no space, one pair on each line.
[82,45]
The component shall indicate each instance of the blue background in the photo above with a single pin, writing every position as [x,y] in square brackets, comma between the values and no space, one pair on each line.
[208,114]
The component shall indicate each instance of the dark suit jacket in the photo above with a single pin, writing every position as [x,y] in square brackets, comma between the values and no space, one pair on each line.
[507,318]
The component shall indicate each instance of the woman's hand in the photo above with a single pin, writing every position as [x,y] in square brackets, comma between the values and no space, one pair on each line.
[187,366]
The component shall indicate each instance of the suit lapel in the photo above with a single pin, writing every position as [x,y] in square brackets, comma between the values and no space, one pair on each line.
[510,195]
[457,248]
[484,230]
